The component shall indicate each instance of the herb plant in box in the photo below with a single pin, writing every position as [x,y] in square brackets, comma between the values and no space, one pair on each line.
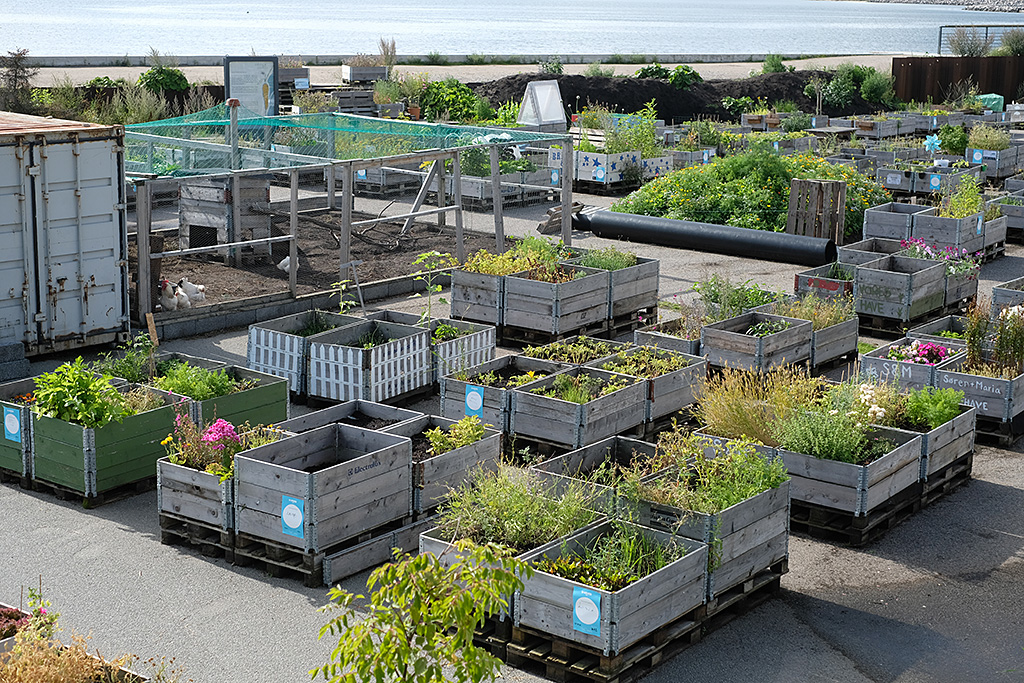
[960,219]
[962,268]
[756,341]
[672,379]
[231,393]
[834,324]
[633,285]
[679,334]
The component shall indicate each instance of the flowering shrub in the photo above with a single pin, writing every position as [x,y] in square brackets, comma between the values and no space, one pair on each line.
[213,449]
[955,260]
[927,353]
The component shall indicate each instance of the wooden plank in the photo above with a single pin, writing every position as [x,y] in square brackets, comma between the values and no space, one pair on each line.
[826,494]
[748,565]
[882,491]
[374,552]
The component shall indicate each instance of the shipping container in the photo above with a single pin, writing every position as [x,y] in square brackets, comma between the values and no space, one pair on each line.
[63,261]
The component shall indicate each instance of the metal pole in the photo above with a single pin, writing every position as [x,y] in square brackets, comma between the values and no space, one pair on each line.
[331,203]
[293,229]
[143,225]
[567,167]
[344,250]
[499,221]
[441,200]
[460,241]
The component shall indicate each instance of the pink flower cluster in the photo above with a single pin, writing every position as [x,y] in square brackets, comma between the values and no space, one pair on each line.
[955,260]
[219,434]
[928,353]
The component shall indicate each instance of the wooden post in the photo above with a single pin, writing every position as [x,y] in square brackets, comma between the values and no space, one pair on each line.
[331,203]
[421,196]
[499,221]
[144,224]
[293,229]
[460,240]
[441,201]
[344,249]
[235,233]
[567,173]
[233,105]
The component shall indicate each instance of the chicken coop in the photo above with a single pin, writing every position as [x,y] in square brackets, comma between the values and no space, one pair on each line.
[277,198]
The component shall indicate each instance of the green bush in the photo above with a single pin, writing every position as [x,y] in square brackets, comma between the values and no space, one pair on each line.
[160,78]
[773,65]
[1011,43]
[839,91]
[683,77]
[552,66]
[594,69]
[796,123]
[448,99]
[953,139]
[654,70]
[877,88]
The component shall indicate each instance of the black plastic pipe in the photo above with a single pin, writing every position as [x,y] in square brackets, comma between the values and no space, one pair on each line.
[718,239]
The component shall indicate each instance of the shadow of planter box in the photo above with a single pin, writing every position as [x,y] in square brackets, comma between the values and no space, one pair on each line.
[725,343]
[275,349]
[661,335]
[553,420]
[1007,294]
[434,477]
[345,411]
[892,220]
[342,371]
[92,461]
[875,366]
[328,485]
[856,489]
[265,403]
[743,540]
[992,397]
[556,307]
[16,446]
[867,250]
[548,603]
[900,287]
[496,404]
[669,392]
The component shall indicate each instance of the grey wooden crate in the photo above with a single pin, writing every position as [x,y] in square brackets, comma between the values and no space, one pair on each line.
[1014,183]
[497,402]
[860,163]
[564,423]
[375,551]
[434,477]
[855,489]
[624,617]
[556,308]
[344,411]
[961,286]
[963,233]
[725,344]
[995,231]
[933,122]
[943,179]
[1007,294]
[875,129]
[666,393]
[736,537]
[16,448]
[891,156]
[834,341]
[477,297]
[895,179]
[349,481]
[875,366]
[998,163]
[195,495]
[821,281]
[1000,399]
[946,443]
[663,336]
[867,250]
[900,287]
[614,347]
[1013,212]
[950,323]
[274,348]
[893,220]
[754,121]
[684,159]
[634,288]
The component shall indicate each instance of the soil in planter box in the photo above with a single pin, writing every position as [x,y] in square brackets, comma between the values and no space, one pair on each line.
[421,448]
[506,378]
[359,419]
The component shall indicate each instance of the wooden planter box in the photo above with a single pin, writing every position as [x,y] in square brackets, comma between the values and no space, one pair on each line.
[435,477]
[483,189]
[991,397]
[867,250]
[962,286]
[833,342]
[496,403]
[997,163]
[352,413]
[656,166]
[725,344]
[877,129]
[895,179]
[893,220]
[193,495]
[342,371]
[860,163]
[942,179]
[360,480]
[661,335]
[596,167]
[755,121]
[713,441]
[743,540]
[684,159]
[563,423]
[933,122]
[995,230]
[613,345]
[900,287]
[818,281]
[477,297]
[890,157]
[556,308]
[614,620]
[1013,213]
[16,446]
[855,489]
[963,233]
[275,349]
[7,644]
[946,443]
[1007,294]
[876,366]
[352,74]
[631,289]
[92,461]
[666,393]
[265,403]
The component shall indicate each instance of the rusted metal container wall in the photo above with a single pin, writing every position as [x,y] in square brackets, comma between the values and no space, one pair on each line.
[921,78]
[63,237]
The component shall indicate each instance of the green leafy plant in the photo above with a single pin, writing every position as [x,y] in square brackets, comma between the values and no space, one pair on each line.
[315,323]
[134,360]
[683,76]
[877,88]
[767,327]
[449,100]
[723,299]
[374,337]
[420,618]
[645,361]
[608,258]
[737,105]
[74,393]
[821,312]
[654,70]
[430,262]
[988,137]
[954,139]
[930,407]
[773,65]
[212,449]
[466,431]
[162,77]
[796,123]
[552,66]
[195,382]
[578,350]
[1011,43]
[964,201]
[445,332]
[581,388]
[969,42]
[595,70]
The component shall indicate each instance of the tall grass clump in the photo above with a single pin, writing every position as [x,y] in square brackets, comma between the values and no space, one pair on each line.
[821,312]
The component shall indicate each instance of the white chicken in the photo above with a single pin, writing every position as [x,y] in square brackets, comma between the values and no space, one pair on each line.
[285,263]
[168,297]
[183,300]
[196,293]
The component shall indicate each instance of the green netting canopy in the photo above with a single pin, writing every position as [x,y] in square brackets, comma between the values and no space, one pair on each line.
[201,144]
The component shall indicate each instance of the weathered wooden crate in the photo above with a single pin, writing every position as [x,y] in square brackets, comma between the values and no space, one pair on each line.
[833,342]
[666,393]
[356,74]
[895,179]
[995,230]
[633,288]
[16,446]
[434,477]
[1007,294]
[942,178]
[477,297]
[961,286]
[655,166]
[459,396]
[876,129]
[556,308]
[855,489]
[755,121]
[963,233]
[946,443]
[992,397]
[875,366]
[609,622]
[275,349]
[933,122]
[357,413]
[93,461]
[7,644]
[665,336]
[725,343]
[743,540]
[892,220]
[341,369]
[997,163]
[685,159]
[867,250]
[471,349]
[553,420]
[378,549]
[613,346]
[890,156]
[596,167]
[191,494]
[860,163]
[900,287]
[323,487]
[930,330]
[823,281]
[263,403]
[1013,210]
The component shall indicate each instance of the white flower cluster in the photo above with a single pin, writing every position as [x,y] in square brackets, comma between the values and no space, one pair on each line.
[867,397]
[1012,312]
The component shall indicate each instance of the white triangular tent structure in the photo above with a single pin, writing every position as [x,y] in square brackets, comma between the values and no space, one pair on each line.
[542,108]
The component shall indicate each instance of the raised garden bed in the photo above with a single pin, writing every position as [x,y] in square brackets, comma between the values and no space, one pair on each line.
[963,233]
[962,286]
[665,336]
[728,344]
[998,163]
[16,446]
[992,397]
[900,287]
[6,644]
[477,297]
[826,282]
[632,288]
[264,401]
[867,250]
[877,366]
[358,413]
[892,220]
[1007,294]
[556,307]
[995,231]
[942,179]
[606,169]
[575,350]
[665,392]
[946,443]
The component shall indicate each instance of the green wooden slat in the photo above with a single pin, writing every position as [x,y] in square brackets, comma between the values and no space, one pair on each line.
[57,430]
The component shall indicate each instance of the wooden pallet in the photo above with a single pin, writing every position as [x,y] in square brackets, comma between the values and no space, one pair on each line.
[1002,433]
[279,560]
[522,337]
[994,251]
[12,477]
[649,431]
[561,660]
[603,189]
[946,480]
[832,525]
[525,450]
[210,540]
[627,323]
[838,362]
[109,496]
[377,191]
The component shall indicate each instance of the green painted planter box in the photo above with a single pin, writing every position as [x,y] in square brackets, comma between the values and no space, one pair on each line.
[265,403]
[16,446]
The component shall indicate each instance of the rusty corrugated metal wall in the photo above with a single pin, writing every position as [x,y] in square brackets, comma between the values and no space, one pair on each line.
[921,78]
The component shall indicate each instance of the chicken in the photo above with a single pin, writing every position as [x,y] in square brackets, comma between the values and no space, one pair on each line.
[285,263]
[168,298]
[196,293]
[183,300]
